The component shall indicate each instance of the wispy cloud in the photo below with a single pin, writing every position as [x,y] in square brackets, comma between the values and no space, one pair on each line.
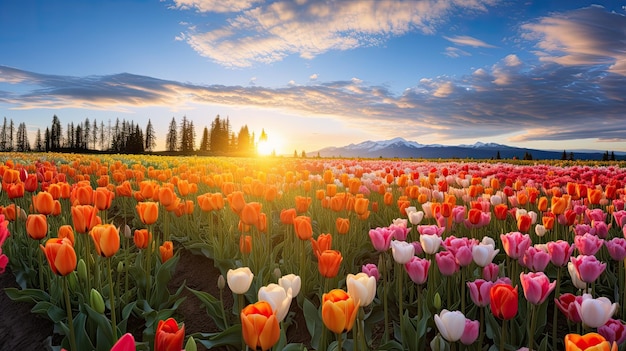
[546,101]
[468,41]
[266,32]
[588,36]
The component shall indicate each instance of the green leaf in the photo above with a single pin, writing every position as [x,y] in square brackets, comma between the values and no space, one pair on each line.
[27,295]
[313,322]
[213,307]
[390,345]
[105,331]
[229,337]
[294,347]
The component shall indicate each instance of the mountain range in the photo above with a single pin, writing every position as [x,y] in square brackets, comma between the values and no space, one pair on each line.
[401,148]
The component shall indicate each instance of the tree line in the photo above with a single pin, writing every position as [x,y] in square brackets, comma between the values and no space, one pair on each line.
[129,137]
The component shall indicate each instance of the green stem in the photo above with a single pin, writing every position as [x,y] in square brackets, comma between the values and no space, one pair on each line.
[87,260]
[240,299]
[70,319]
[385,302]
[112,300]
[303,266]
[340,341]
[401,301]
[503,335]
[223,309]
[533,325]
[557,291]
[41,270]
[481,334]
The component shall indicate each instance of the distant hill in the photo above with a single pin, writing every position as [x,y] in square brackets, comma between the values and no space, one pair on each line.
[401,148]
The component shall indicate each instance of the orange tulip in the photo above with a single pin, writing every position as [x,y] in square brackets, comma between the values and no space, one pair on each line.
[37,226]
[245,244]
[31,184]
[147,189]
[388,198]
[66,231]
[84,218]
[588,342]
[43,203]
[236,201]
[82,194]
[339,311]
[342,225]
[331,190]
[54,190]
[303,227]
[10,212]
[542,205]
[167,251]
[328,263]
[323,243]
[594,196]
[142,238]
[169,336]
[262,223]
[15,190]
[548,221]
[361,205]
[302,203]
[501,211]
[287,216]
[559,204]
[60,255]
[148,212]
[124,189]
[102,198]
[106,239]
[249,215]
[523,223]
[183,187]
[259,326]
[504,300]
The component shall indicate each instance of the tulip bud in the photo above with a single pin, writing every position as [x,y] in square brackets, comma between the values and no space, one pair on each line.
[221,282]
[191,344]
[277,273]
[96,302]
[73,281]
[120,267]
[437,301]
[439,344]
[81,267]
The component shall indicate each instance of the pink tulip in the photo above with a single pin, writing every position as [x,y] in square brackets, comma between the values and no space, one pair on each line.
[417,269]
[515,244]
[470,333]
[125,343]
[479,291]
[458,214]
[582,229]
[536,287]
[430,229]
[371,270]
[461,248]
[596,215]
[566,304]
[601,229]
[4,261]
[588,268]
[417,247]
[399,231]
[535,259]
[620,217]
[447,263]
[491,272]
[381,238]
[560,252]
[616,248]
[588,244]
[613,331]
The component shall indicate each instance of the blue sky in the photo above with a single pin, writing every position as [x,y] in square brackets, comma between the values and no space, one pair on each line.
[539,74]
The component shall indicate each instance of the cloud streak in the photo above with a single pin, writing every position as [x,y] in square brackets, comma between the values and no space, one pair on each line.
[266,32]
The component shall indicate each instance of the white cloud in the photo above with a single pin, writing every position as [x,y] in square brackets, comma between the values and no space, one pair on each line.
[313,76]
[455,52]
[268,32]
[219,6]
[468,41]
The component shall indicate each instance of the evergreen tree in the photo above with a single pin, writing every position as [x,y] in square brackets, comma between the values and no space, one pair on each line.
[243,140]
[564,156]
[150,137]
[94,134]
[86,129]
[21,139]
[612,155]
[498,155]
[3,136]
[11,133]
[605,156]
[204,141]
[171,139]
[39,145]
[47,140]
[55,134]
[571,156]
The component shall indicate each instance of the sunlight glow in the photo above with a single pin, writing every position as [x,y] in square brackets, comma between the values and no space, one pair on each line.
[270,146]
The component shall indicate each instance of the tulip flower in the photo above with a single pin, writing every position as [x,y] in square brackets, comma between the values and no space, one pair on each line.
[84,218]
[43,203]
[328,263]
[239,280]
[342,225]
[446,262]
[278,298]
[560,252]
[371,270]
[362,288]
[614,331]
[169,336]
[484,253]
[588,244]
[536,287]
[588,342]
[142,238]
[415,217]
[166,250]
[381,238]
[491,272]
[535,259]
[573,273]
[287,216]
[595,312]
[102,198]
[303,228]
[430,243]
[37,226]
[106,239]
[402,251]
[259,326]
[479,292]
[148,212]
[616,248]
[451,324]
[417,269]
[291,281]
[339,311]
[470,332]
[515,244]
[125,343]
[4,261]
[503,301]
[567,305]
[60,255]
[245,244]
[588,268]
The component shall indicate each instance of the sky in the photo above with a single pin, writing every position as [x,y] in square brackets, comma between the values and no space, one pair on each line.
[536,73]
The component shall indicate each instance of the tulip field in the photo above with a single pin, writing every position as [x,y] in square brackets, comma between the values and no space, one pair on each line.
[358,254]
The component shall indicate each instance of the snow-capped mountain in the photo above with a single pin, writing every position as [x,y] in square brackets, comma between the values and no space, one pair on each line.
[402,148]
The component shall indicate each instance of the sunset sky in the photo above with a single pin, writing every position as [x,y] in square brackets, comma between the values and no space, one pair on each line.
[536,73]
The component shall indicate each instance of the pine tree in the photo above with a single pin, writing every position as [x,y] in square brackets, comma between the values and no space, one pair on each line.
[204,141]
[150,137]
[3,136]
[171,137]
[564,156]
[39,145]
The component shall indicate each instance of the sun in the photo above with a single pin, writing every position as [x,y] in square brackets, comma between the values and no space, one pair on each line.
[269,146]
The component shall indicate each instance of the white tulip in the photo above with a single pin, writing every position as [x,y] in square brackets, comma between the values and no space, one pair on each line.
[361,287]
[291,281]
[595,312]
[402,251]
[451,324]
[239,279]
[430,243]
[278,298]
[483,254]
